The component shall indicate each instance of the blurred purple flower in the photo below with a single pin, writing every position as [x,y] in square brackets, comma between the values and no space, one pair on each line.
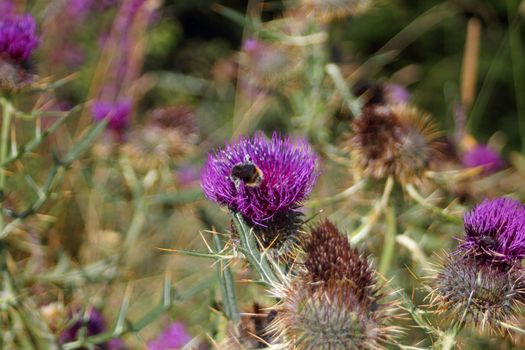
[187,175]
[79,9]
[95,324]
[118,112]
[395,93]
[252,45]
[93,321]
[259,177]
[482,155]
[7,9]
[173,337]
[18,37]
[495,229]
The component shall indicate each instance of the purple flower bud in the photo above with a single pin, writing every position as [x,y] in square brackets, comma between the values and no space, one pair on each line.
[18,37]
[173,337]
[118,113]
[495,229]
[260,178]
[482,155]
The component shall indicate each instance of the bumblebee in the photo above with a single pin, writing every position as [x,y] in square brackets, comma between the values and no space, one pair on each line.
[248,173]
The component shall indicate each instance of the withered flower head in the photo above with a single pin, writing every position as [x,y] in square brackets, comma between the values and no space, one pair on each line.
[474,291]
[329,10]
[334,303]
[170,133]
[396,140]
[265,65]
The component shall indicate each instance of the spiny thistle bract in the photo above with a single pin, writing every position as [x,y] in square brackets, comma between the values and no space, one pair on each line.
[263,179]
[394,140]
[482,281]
[495,230]
[250,333]
[328,10]
[477,292]
[334,302]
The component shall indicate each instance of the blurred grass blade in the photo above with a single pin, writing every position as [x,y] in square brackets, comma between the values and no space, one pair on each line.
[85,142]
[36,141]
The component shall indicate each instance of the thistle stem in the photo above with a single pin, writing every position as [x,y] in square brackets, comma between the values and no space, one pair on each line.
[4,141]
[258,261]
[389,242]
[415,195]
[350,100]
[226,283]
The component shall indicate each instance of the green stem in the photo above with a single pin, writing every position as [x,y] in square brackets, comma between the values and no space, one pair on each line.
[249,247]
[389,242]
[226,283]
[350,100]
[4,141]
[415,195]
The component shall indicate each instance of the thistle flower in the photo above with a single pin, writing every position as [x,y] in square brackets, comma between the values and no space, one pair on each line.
[478,292]
[329,10]
[334,303]
[483,156]
[394,140]
[482,282]
[18,37]
[495,230]
[18,40]
[118,113]
[264,180]
[173,337]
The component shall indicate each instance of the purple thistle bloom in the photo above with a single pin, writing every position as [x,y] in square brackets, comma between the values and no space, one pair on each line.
[118,113]
[18,37]
[482,155]
[496,228]
[173,337]
[259,177]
